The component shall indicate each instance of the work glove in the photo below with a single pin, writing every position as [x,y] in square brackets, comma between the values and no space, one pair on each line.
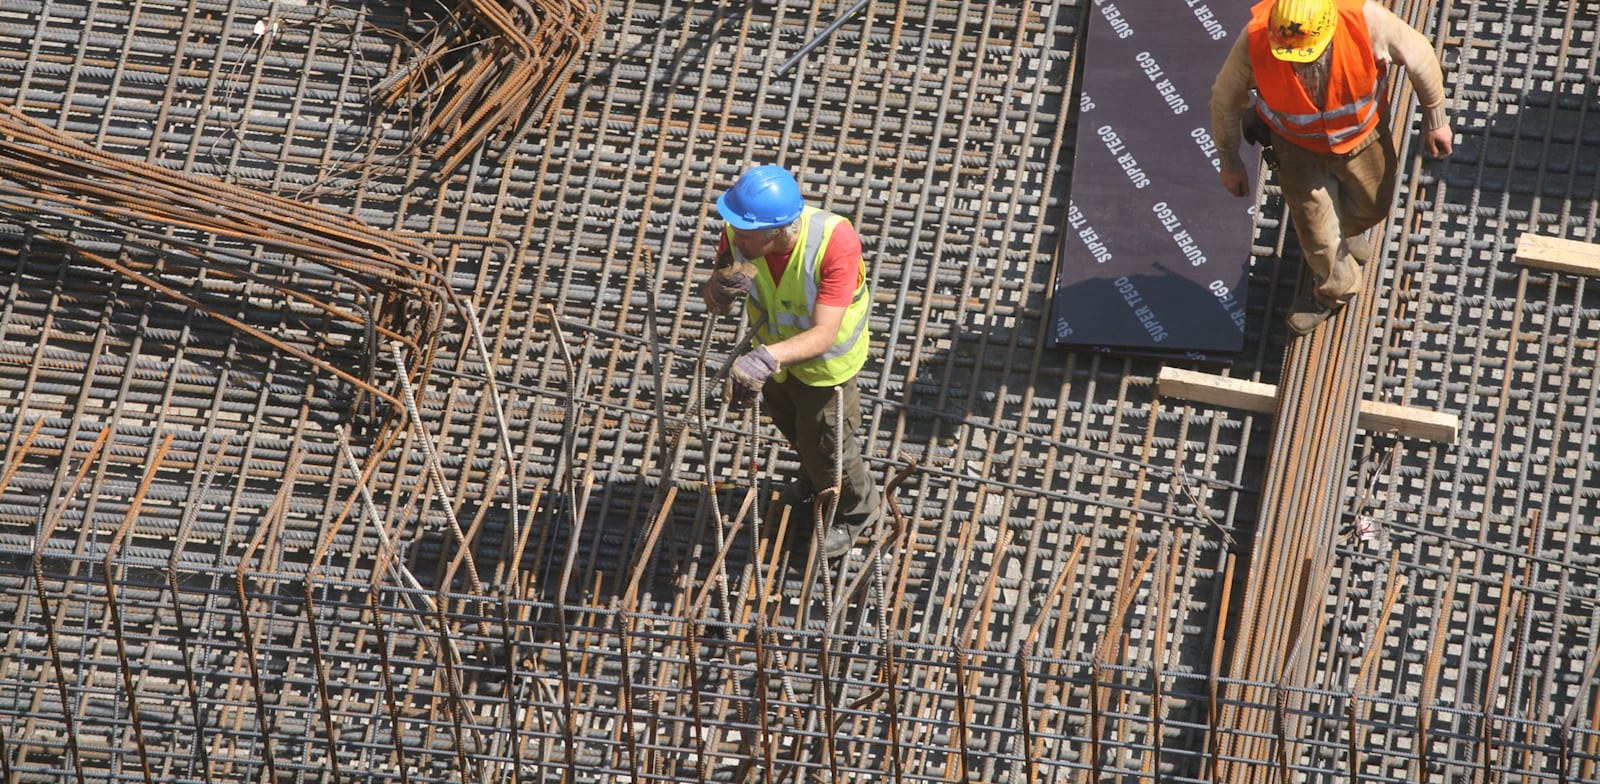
[729,283]
[750,373]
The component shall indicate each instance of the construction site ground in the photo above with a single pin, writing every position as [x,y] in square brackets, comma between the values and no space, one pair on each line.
[353,438]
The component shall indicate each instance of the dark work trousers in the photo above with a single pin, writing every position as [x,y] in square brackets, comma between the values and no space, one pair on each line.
[807,416]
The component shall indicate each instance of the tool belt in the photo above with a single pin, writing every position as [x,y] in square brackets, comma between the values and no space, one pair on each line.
[1255,131]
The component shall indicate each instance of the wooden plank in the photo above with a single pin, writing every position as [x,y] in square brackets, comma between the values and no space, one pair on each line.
[1561,255]
[1408,421]
[1260,398]
[1222,391]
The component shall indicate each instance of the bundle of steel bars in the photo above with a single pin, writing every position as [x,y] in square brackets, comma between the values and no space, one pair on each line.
[168,230]
[492,69]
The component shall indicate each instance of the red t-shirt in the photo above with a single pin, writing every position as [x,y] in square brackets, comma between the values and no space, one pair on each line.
[841,270]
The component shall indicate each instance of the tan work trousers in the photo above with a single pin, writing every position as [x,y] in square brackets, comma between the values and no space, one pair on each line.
[1333,196]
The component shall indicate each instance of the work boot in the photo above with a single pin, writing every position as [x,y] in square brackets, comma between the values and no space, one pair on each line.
[1307,314]
[799,497]
[1359,246]
[842,535]
[1342,284]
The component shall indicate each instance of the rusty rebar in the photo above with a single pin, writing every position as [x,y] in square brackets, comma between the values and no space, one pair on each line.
[491,68]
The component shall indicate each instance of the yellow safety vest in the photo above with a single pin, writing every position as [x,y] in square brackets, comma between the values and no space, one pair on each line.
[783,308]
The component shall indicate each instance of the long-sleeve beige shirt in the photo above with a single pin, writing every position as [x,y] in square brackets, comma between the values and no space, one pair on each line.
[1393,41]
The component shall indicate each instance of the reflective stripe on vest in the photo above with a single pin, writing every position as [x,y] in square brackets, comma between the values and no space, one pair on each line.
[786,305]
[1355,84]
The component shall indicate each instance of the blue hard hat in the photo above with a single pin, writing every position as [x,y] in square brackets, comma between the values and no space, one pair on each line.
[763,198]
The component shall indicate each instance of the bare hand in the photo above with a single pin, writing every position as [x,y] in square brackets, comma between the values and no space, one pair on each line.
[1440,141]
[1234,182]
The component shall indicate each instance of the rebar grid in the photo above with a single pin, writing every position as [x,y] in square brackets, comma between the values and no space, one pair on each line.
[453,715]
[209,560]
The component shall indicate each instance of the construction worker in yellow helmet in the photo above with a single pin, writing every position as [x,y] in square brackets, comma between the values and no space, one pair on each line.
[1311,75]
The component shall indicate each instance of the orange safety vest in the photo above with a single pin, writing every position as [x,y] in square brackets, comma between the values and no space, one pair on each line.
[1354,81]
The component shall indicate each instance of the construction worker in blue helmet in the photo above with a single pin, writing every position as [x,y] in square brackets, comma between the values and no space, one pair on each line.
[800,271]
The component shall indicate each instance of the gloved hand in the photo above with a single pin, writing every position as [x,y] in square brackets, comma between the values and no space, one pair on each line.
[750,373]
[729,283]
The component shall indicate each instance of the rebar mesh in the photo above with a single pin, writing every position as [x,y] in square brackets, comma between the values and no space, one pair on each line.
[217,567]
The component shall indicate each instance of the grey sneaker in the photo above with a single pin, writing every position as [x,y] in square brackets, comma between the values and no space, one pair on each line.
[842,536]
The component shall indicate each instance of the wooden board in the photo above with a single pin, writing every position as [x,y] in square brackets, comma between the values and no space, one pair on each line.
[1560,255]
[1260,398]
[1153,255]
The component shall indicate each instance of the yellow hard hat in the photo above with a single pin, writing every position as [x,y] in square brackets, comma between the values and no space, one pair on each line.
[1299,30]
